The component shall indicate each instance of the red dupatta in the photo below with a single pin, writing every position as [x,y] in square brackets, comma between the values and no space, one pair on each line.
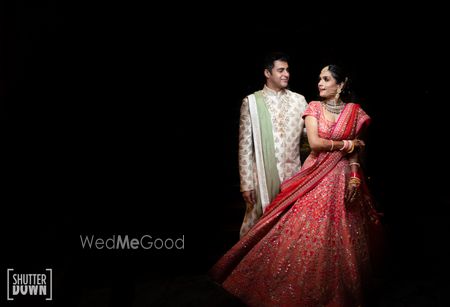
[308,178]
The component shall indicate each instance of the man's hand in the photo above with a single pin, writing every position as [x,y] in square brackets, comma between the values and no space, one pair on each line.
[249,197]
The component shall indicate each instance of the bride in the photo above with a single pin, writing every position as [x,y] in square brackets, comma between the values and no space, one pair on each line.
[311,246]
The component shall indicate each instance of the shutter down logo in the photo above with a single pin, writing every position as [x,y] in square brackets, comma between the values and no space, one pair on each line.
[35,284]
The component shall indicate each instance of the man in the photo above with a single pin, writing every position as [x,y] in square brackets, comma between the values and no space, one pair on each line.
[270,131]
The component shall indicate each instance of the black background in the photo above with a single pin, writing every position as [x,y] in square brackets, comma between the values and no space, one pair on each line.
[123,119]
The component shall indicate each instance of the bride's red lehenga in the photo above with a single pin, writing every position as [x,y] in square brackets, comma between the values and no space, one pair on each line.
[309,248]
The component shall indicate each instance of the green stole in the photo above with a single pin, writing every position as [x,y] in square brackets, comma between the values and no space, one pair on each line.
[268,152]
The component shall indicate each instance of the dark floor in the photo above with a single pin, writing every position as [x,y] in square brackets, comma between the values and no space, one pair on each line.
[413,273]
[80,287]
[99,281]
[198,290]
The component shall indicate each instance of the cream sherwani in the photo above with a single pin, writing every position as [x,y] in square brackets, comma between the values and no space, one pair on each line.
[286,109]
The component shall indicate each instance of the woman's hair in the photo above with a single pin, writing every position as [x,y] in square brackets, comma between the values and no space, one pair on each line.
[341,76]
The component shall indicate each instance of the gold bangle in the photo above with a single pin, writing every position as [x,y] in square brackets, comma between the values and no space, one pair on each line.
[354,180]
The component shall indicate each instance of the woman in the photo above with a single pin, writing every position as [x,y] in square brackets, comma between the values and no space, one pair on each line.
[310,248]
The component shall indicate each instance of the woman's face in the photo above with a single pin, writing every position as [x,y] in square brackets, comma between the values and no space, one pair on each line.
[327,84]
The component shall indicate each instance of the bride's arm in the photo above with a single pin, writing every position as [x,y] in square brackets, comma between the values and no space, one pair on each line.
[318,144]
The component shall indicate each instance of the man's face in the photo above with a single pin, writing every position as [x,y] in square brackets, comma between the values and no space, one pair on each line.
[278,78]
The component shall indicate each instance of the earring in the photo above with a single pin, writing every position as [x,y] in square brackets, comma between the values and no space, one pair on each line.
[338,93]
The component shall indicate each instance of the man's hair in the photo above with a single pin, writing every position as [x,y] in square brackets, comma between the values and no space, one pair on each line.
[271,57]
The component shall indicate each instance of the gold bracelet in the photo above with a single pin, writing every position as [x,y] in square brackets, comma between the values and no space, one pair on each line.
[355,181]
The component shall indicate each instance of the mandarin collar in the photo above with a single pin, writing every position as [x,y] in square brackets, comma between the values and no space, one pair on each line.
[271,93]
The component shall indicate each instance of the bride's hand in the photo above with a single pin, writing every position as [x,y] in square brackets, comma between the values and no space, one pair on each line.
[352,192]
[359,144]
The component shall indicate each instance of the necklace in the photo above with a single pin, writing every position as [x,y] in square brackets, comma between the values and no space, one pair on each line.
[333,108]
